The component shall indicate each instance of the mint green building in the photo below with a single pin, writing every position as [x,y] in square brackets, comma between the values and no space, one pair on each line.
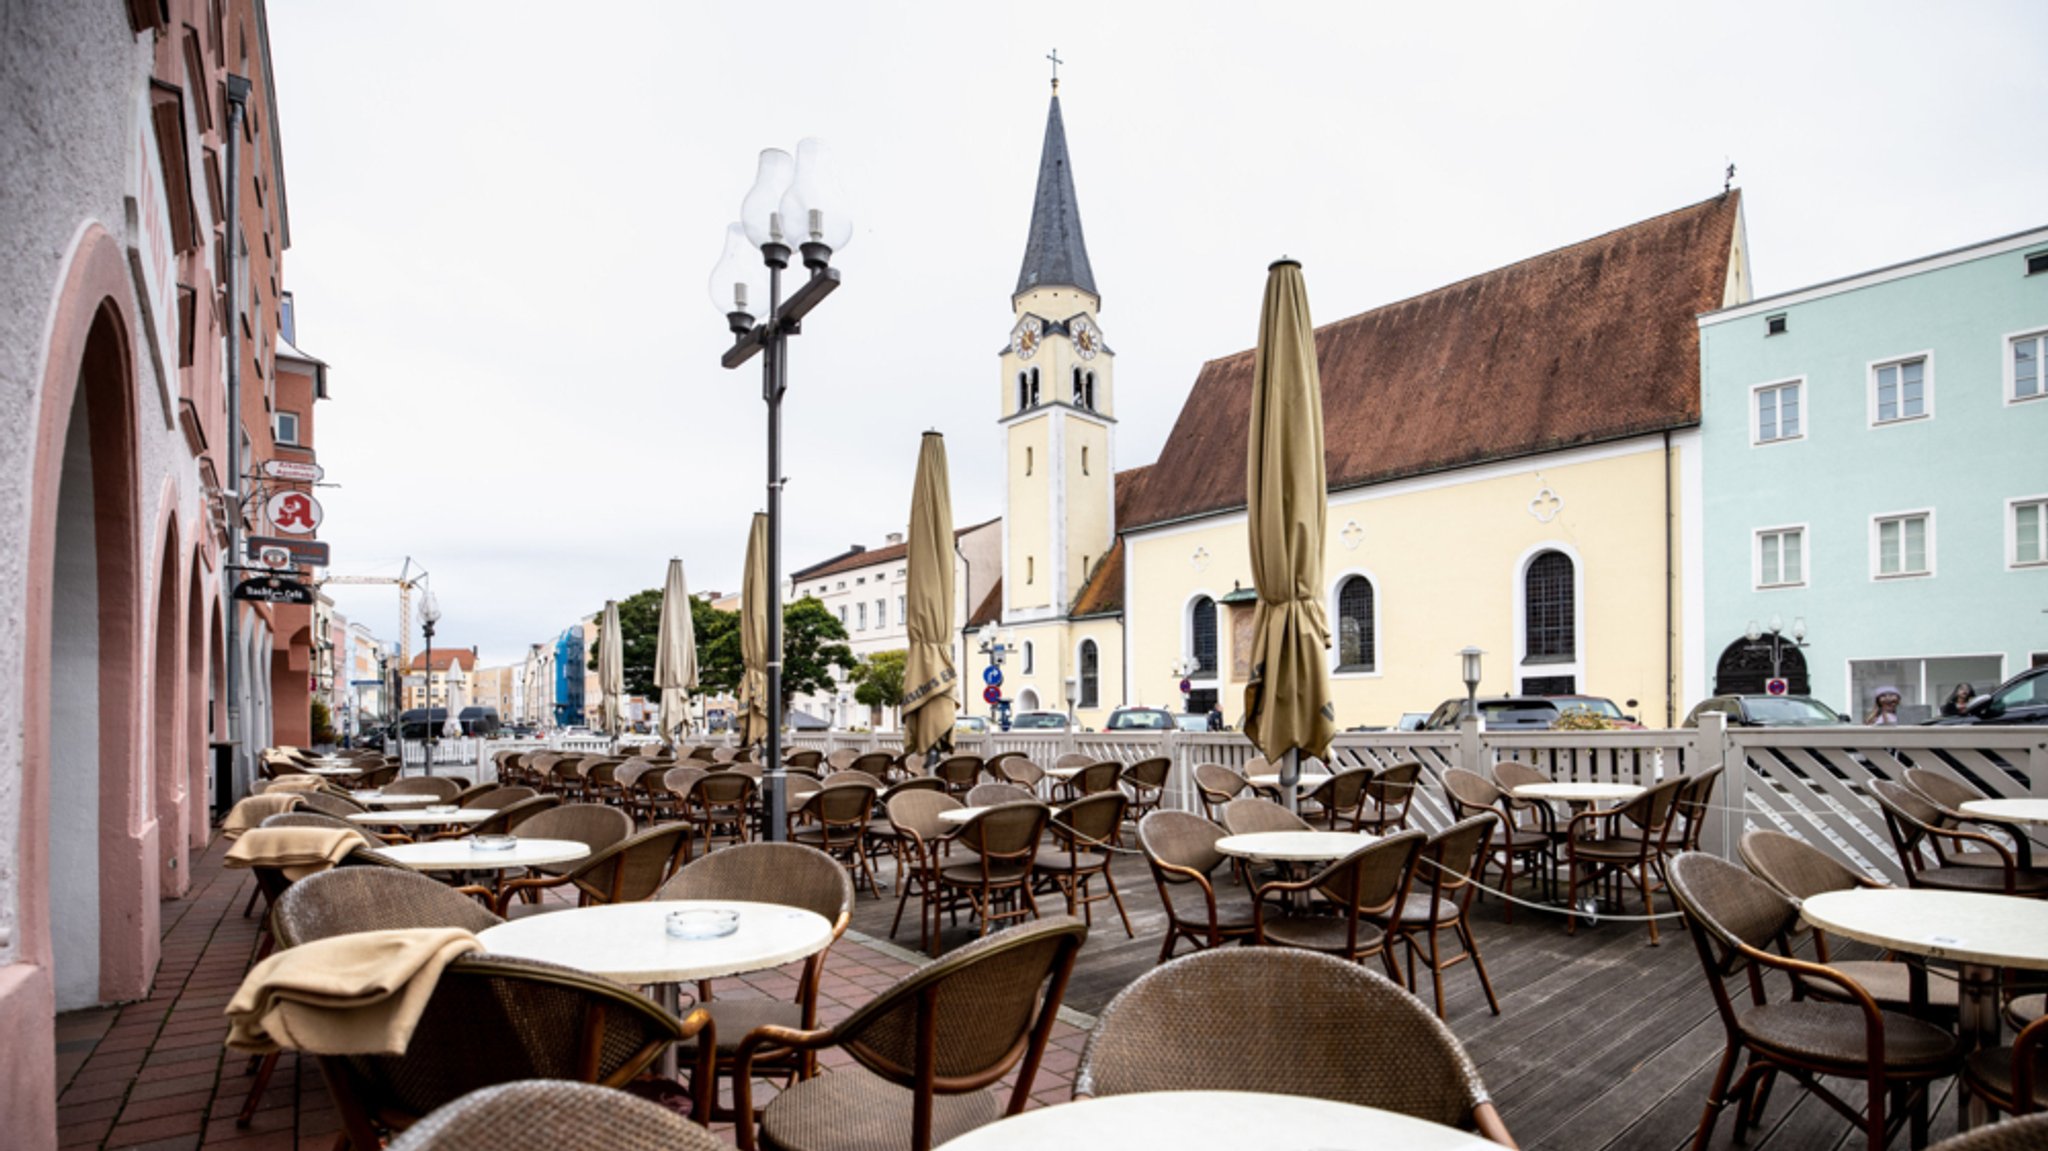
[1875,479]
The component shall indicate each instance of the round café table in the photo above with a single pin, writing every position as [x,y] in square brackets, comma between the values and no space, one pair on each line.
[463,855]
[961,816]
[2024,810]
[420,818]
[391,799]
[630,943]
[332,771]
[1295,846]
[1978,932]
[1239,1120]
[1576,793]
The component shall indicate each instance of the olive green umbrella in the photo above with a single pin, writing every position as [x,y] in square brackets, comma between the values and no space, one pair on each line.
[928,674]
[611,670]
[757,599]
[675,655]
[1287,710]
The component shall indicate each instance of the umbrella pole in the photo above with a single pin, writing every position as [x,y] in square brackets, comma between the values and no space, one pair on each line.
[1290,778]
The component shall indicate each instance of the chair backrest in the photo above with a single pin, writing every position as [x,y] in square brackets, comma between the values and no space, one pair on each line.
[1179,839]
[1694,801]
[347,900]
[329,803]
[379,776]
[1798,869]
[875,763]
[1727,906]
[1007,831]
[464,797]
[803,760]
[1653,809]
[1450,859]
[545,1115]
[1470,791]
[1945,791]
[679,781]
[1248,815]
[990,794]
[635,867]
[1393,787]
[959,772]
[1021,771]
[514,815]
[917,812]
[1149,773]
[1088,824]
[842,759]
[914,783]
[724,789]
[1073,759]
[843,807]
[1374,877]
[790,874]
[795,784]
[2023,1133]
[1218,784]
[317,819]
[592,824]
[438,786]
[1235,1019]
[499,798]
[850,779]
[1510,774]
[1911,818]
[1098,777]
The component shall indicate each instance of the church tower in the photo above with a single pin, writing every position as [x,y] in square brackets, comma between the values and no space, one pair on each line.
[1058,403]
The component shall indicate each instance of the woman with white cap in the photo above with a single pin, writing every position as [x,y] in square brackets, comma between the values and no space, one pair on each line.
[1885,712]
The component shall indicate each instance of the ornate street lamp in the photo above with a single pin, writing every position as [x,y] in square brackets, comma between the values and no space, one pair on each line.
[1776,631]
[430,614]
[794,205]
[1469,663]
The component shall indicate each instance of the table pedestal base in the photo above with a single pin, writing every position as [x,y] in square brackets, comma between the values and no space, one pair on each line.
[1978,1025]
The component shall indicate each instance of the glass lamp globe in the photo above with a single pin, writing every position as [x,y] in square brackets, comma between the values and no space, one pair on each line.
[760,212]
[814,210]
[739,282]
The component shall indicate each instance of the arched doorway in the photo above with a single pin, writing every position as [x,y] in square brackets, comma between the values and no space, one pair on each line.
[1027,700]
[199,697]
[1745,667]
[166,731]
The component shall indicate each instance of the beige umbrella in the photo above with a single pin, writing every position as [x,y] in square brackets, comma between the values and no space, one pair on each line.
[928,675]
[675,655]
[1287,709]
[756,601]
[611,670]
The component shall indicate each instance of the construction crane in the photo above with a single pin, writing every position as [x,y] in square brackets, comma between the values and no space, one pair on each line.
[405,582]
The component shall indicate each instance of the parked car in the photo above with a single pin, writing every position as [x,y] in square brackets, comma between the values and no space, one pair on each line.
[1194,721]
[1599,705]
[1500,713]
[1039,721]
[971,724]
[1144,719]
[1412,721]
[1768,711]
[2021,699]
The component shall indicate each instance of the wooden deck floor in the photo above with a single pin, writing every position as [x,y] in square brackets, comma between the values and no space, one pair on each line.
[1603,1041]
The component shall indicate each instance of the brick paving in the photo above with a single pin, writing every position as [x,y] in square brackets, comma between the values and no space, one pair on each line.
[155,1075]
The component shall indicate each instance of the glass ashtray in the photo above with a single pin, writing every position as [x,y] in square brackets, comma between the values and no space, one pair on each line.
[703,923]
[442,809]
[494,842]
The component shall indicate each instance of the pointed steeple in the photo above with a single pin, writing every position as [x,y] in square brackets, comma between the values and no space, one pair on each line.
[1055,254]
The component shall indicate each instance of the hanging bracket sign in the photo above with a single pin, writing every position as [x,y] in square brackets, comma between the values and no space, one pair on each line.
[266,549]
[273,589]
[296,471]
[293,513]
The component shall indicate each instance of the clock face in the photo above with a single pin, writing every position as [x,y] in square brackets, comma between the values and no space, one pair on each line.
[1024,338]
[1087,340]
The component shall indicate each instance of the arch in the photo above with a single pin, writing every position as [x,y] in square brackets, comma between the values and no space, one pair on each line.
[1200,638]
[1027,700]
[1355,622]
[200,698]
[1088,665]
[1549,626]
[164,782]
[1744,668]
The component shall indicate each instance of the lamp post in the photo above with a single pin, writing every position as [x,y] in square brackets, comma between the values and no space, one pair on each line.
[430,614]
[1468,659]
[1776,631]
[1073,685]
[795,203]
[995,646]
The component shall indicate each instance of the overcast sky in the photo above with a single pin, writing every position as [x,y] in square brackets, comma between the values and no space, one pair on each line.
[504,217]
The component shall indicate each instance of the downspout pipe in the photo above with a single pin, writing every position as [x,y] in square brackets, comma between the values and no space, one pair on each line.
[238,100]
[1670,621]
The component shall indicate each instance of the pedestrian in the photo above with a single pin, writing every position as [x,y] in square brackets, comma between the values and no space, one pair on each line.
[1216,719]
[1885,712]
[1959,701]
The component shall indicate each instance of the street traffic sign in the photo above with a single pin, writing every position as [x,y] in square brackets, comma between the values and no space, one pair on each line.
[294,470]
[293,513]
[1186,686]
[1776,687]
[992,676]
[992,694]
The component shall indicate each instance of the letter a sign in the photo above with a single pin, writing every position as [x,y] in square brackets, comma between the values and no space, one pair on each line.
[293,513]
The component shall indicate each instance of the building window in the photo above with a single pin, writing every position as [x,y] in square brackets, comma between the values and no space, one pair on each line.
[1904,545]
[1023,390]
[1084,465]
[1089,391]
[1030,570]
[882,613]
[2028,378]
[1090,673]
[1550,611]
[862,609]
[1357,643]
[1080,397]
[1781,557]
[1923,683]
[2037,263]
[902,612]
[1028,657]
[1202,636]
[842,615]
[1027,461]
[1032,392]
[1777,412]
[285,425]
[2029,532]
[1774,325]
[1899,390]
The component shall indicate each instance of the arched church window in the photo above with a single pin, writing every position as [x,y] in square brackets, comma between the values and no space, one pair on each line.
[1084,459]
[1089,390]
[1357,645]
[1023,390]
[1202,635]
[1550,622]
[1080,400]
[1089,661]
[1034,388]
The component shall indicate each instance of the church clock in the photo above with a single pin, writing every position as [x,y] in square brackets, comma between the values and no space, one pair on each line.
[1024,338]
[1087,338]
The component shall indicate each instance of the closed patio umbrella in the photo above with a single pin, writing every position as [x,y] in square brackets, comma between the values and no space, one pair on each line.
[1287,711]
[611,670]
[928,674]
[675,655]
[756,601]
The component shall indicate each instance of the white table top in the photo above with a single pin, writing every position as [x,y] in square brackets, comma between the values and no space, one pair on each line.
[1066,772]
[1963,926]
[2024,810]
[1295,846]
[460,855]
[629,942]
[333,771]
[423,818]
[960,815]
[1576,792]
[1239,1120]
[387,799]
[1309,779]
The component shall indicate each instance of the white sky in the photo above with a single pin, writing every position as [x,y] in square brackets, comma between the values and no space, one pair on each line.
[504,222]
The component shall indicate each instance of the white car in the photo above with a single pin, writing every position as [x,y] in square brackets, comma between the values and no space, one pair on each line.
[1039,721]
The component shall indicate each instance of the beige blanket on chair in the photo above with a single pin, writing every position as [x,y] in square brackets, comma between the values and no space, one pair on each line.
[297,851]
[359,994]
[298,783]
[251,812]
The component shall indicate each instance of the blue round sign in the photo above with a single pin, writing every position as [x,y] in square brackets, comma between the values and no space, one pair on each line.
[992,676]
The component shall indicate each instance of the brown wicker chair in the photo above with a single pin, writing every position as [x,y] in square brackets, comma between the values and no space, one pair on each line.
[347,900]
[2009,1079]
[880,764]
[626,872]
[1217,785]
[720,805]
[1631,846]
[499,798]
[1145,780]
[1915,826]
[840,829]
[803,760]
[1094,778]
[548,1115]
[1508,775]
[505,820]
[1949,794]
[591,824]
[380,776]
[2027,1133]
[330,803]
[960,773]
[1338,797]
[1253,816]
[1694,801]
[665,795]
[1801,871]
[1181,850]
[320,819]
[925,1050]
[1440,900]
[997,883]
[915,817]
[1367,884]
[1016,769]
[1358,1039]
[440,787]
[1388,797]
[782,873]
[990,794]
[1470,794]
[1740,923]
[1082,834]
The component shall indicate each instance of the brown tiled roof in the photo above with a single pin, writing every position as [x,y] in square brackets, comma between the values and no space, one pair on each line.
[869,557]
[991,608]
[1588,343]
[445,658]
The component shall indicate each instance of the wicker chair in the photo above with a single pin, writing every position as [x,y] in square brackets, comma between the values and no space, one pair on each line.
[721,800]
[915,817]
[1181,850]
[440,787]
[850,778]
[547,1115]
[1389,796]
[990,794]
[1800,871]
[1470,794]
[1631,846]
[783,873]
[1021,772]
[1217,785]
[2010,1079]
[841,830]
[591,824]
[380,776]
[505,820]
[347,900]
[626,872]
[1441,900]
[841,759]
[2028,1133]
[665,795]
[1368,884]
[1339,797]
[1694,801]
[803,760]
[1915,826]
[1145,781]
[960,773]
[1073,759]
[499,798]
[1253,816]
[1740,923]
[997,883]
[1949,794]
[882,837]
[880,764]
[1094,778]
[926,1050]
[1082,834]
[1509,775]
[1358,1039]
[304,818]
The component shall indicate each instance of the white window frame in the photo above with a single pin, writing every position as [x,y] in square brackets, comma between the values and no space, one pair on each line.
[882,614]
[1379,653]
[1877,557]
[860,612]
[1926,387]
[277,419]
[1756,558]
[1756,439]
[2012,532]
[1079,679]
[2009,377]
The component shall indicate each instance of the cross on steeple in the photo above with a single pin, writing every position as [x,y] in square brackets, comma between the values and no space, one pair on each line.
[1054,56]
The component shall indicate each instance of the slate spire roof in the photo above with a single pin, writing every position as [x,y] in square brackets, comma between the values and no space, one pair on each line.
[1055,253]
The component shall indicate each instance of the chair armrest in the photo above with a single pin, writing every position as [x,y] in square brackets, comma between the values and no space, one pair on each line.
[779,1038]
[1873,1016]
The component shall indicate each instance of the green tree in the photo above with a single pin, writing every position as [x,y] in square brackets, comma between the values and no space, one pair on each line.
[878,681]
[718,647]
[813,645]
[640,627]
[322,721]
